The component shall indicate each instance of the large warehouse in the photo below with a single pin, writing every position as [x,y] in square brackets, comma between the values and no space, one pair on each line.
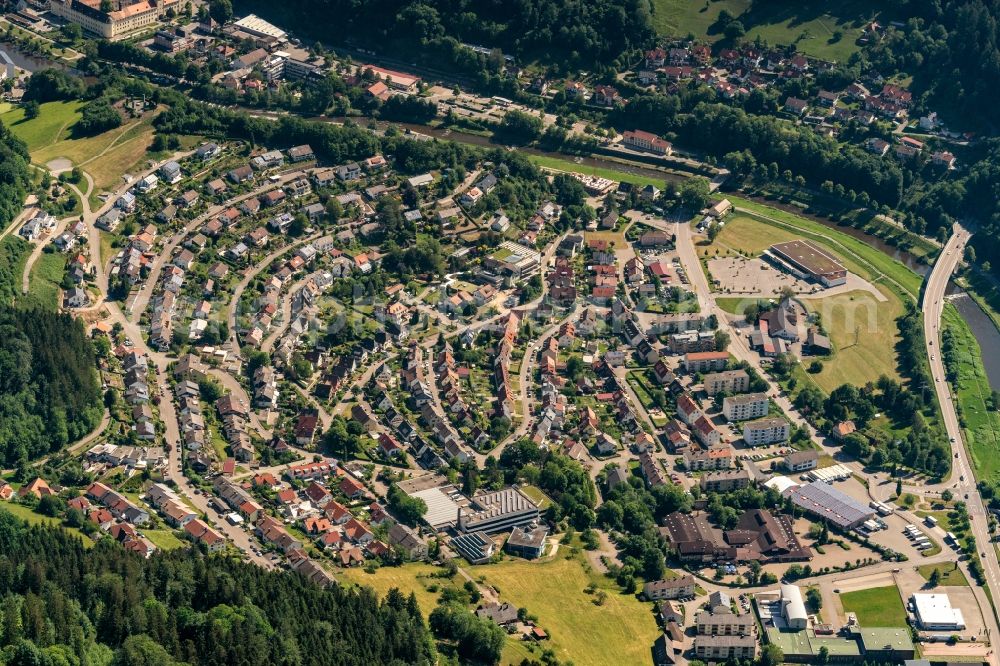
[826,502]
[806,260]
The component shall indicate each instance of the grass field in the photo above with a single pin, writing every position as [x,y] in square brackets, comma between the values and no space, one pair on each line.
[863,331]
[864,335]
[43,286]
[414,578]
[810,25]
[105,157]
[744,234]
[731,305]
[557,164]
[876,606]
[621,631]
[52,124]
[949,574]
[980,424]
[164,539]
[27,515]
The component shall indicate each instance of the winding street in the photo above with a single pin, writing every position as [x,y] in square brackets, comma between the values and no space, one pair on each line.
[145,293]
[239,537]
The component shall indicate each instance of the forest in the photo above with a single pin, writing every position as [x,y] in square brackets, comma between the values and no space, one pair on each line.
[14,176]
[952,50]
[64,605]
[49,390]
[570,33]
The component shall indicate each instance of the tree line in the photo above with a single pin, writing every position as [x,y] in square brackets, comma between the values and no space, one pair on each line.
[65,605]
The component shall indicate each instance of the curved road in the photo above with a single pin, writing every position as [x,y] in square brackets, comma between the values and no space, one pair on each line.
[933,306]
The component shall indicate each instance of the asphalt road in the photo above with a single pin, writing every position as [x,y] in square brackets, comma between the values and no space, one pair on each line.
[932,306]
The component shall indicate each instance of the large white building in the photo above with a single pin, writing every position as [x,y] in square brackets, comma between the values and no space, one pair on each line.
[934,612]
[793,609]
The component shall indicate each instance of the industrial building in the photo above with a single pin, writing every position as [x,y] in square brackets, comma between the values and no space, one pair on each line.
[934,612]
[804,259]
[827,503]
[793,608]
[498,511]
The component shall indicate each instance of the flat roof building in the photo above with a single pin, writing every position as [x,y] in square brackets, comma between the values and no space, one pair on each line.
[807,260]
[527,543]
[934,612]
[255,25]
[492,512]
[826,502]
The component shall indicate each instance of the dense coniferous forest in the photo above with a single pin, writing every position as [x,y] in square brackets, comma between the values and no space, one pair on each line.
[63,605]
[13,175]
[49,391]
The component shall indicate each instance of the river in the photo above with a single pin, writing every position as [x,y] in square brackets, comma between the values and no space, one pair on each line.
[26,61]
[986,334]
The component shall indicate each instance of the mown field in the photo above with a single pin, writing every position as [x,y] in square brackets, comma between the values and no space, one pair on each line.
[864,335]
[949,574]
[821,29]
[876,607]
[105,156]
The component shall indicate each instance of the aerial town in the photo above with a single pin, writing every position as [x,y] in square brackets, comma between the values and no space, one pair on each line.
[549,364]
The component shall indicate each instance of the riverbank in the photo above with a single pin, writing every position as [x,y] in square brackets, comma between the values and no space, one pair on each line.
[980,423]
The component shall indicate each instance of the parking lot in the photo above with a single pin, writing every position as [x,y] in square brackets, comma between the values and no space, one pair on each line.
[754,277]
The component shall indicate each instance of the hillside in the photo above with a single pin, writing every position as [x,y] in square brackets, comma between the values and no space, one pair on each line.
[49,391]
[582,33]
[63,604]
[821,29]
